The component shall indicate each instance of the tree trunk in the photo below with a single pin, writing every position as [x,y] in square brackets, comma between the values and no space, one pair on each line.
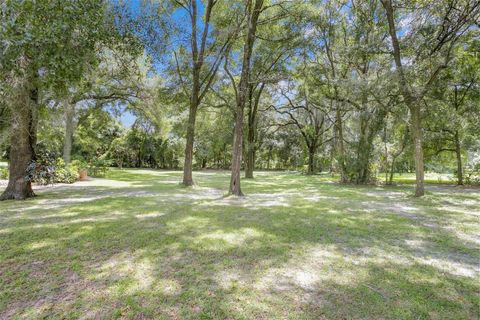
[392,168]
[252,128]
[69,128]
[243,94]
[418,150]
[250,163]
[269,157]
[23,141]
[198,56]
[340,146]
[363,154]
[458,152]
[188,165]
[235,188]
[311,160]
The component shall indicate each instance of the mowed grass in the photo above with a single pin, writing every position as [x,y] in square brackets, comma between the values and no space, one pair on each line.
[138,245]
[430,178]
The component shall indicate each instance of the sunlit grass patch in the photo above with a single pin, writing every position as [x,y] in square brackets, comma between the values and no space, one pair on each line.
[140,245]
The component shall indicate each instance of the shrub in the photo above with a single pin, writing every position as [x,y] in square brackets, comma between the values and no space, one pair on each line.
[472,174]
[3,173]
[472,177]
[98,167]
[65,173]
[42,170]
[48,170]
[79,164]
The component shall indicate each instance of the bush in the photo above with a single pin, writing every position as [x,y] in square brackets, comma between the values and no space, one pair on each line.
[48,170]
[472,174]
[42,170]
[99,167]
[472,177]
[3,173]
[79,164]
[65,173]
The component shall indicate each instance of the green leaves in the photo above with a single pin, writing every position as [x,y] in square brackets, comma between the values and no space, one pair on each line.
[61,38]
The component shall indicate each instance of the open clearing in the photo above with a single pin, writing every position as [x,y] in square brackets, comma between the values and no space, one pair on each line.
[138,245]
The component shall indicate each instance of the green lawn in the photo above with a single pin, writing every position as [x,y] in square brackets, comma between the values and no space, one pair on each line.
[140,246]
[430,177]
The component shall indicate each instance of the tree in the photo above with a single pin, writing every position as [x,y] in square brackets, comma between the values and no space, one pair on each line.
[118,78]
[253,10]
[307,114]
[206,50]
[434,42]
[269,61]
[44,46]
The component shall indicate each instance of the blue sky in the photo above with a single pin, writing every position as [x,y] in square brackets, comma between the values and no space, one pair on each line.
[179,17]
[127,119]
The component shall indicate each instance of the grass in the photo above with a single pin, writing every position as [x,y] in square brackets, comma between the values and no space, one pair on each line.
[140,246]
[430,178]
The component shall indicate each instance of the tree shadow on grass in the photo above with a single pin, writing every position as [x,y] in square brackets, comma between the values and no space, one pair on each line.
[154,256]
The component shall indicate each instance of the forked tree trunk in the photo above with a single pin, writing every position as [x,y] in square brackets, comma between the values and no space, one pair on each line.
[410,100]
[23,140]
[69,128]
[254,11]
[198,58]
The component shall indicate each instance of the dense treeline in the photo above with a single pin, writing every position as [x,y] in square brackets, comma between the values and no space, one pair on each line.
[358,88]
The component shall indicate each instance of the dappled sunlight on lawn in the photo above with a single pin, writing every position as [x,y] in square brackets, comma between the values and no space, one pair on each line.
[138,244]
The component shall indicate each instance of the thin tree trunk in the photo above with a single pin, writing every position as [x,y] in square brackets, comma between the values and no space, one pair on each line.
[361,163]
[69,128]
[458,152]
[198,57]
[269,157]
[243,93]
[237,153]
[23,141]
[252,128]
[188,165]
[340,146]
[250,163]
[311,160]
[458,147]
